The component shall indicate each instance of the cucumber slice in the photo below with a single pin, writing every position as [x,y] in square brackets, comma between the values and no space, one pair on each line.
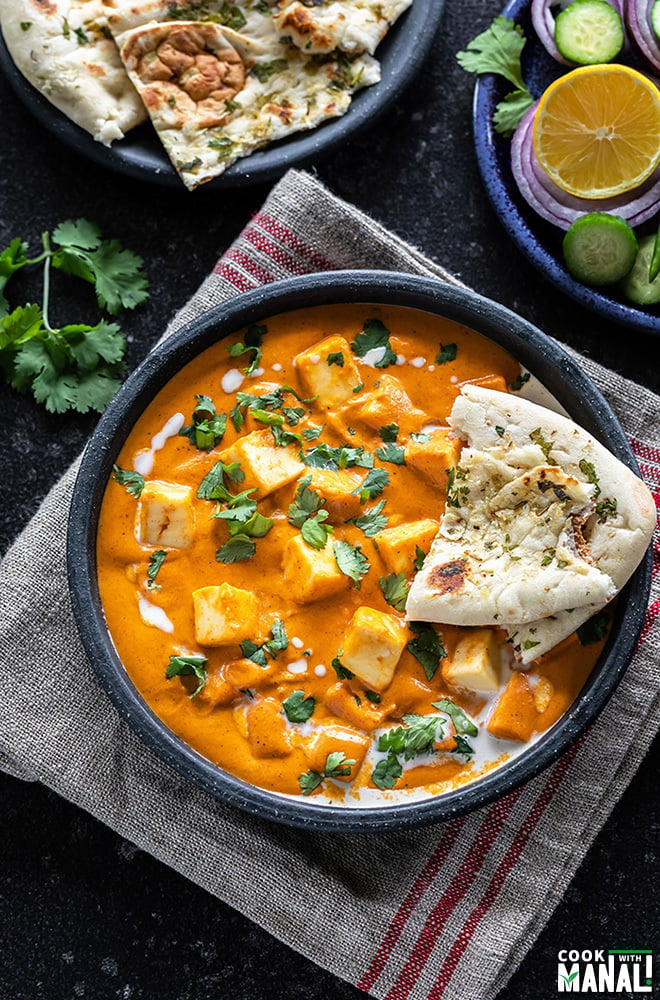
[636,285]
[655,18]
[589,31]
[599,248]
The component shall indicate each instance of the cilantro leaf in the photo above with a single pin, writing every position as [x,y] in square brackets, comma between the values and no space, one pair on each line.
[305,503]
[420,556]
[389,432]
[373,520]
[213,487]
[156,560]
[351,561]
[324,456]
[297,707]
[278,642]
[594,629]
[310,781]
[372,485]
[253,341]
[183,666]
[415,738]
[462,746]
[12,258]
[374,335]
[391,452]
[115,272]
[336,765]
[208,426]
[395,590]
[462,722]
[237,549]
[446,352]
[387,771]
[426,647]
[498,50]
[133,481]
[335,358]
[315,532]
[343,673]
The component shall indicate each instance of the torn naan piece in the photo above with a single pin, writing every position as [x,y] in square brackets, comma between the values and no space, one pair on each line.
[215,95]
[543,525]
[350,25]
[64,48]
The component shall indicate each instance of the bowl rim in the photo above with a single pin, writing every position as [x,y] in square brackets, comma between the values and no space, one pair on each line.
[536,352]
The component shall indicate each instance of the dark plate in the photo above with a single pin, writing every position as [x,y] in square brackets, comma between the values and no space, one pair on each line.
[536,238]
[535,351]
[140,154]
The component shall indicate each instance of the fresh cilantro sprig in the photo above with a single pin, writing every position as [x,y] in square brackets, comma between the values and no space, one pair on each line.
[156,560]
[132,481]
[298,708]
[337,765]
[76,366]
[372,521]
[259,653]
[183,666]
[351,561]
[208,426]
[427,647]
[374,335]
[498,50]
[305,513]
[253,341]
[395,590]
[372,485]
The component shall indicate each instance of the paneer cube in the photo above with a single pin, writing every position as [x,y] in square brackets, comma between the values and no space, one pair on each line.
[165,515]
[336,487]
[341,702]
[338,739]
[267,466]
[390,404]
[311,574]
[224,614]
[433,457]
[372,646]
[398,546]
[514,716]
[331,383]
[266,729]
[475,664]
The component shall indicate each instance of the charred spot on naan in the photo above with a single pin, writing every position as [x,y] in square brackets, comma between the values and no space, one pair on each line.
[449,577]
[186,70]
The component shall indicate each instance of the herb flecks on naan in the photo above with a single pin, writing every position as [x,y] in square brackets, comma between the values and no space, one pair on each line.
[65,50]
[215,94]
[356,26]
[543,526]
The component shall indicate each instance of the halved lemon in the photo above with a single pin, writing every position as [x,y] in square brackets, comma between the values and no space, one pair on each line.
[597,130]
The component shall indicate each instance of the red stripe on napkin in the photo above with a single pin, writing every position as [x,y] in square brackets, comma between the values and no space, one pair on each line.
[421,884]
[276,252]
[291,240]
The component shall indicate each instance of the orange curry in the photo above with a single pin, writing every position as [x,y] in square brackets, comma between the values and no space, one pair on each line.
[255,547]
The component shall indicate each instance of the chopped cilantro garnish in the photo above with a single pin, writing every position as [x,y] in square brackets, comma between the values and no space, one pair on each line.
[297,707]
[264,70]
[426,647]
[305,503]
[391,453]
[184,666]
[237,549]
[343,673]
[537,437]
[446,352]
[213,486]
[588,470]
[456,494]
[389,432]
[253,341]
[594,629]
[259,654]
[208,426]
[416,738]
[351,561]
[500,431]
[373,520]
[324,456]
[420,556]
[156,560]
[462,723]
[374,335]
[335,358]
[387,771]
[336,765]
[519,382]
[133,481]
[372,485]
[395,590]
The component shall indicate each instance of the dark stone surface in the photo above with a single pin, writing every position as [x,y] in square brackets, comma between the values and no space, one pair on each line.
[83,913]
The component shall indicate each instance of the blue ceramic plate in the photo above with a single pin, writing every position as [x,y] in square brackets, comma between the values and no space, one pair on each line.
[140,154]
[536,238]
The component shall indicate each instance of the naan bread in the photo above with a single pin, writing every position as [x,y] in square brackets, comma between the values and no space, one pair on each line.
[215,94]
[543,525]
[64,49]
[350,25]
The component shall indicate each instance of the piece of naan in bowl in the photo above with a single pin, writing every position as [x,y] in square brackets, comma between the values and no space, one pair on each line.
[350,25]
[65,50]
[543,525]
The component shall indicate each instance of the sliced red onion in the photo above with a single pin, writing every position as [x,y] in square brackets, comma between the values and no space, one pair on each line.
[562,209]
[638,16]
[543,21]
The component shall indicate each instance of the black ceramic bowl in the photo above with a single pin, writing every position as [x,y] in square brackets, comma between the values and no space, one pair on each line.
[535,351]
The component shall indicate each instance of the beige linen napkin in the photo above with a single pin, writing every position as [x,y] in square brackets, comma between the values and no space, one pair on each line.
[447,911]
